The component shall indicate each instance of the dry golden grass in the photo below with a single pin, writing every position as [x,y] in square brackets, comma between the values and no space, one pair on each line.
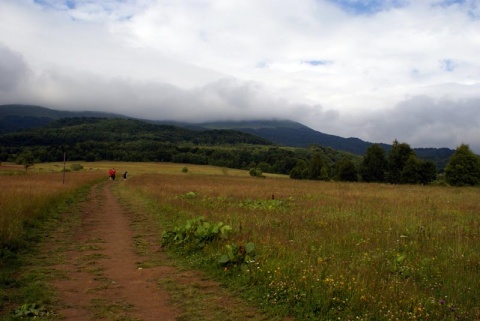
[346,249]
[335,250]
[135,169]
[26,196]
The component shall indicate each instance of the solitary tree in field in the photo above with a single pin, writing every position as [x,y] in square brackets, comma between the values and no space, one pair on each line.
[374,164]
[463,168]
[26,159]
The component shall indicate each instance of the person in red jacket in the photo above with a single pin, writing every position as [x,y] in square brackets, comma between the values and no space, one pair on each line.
[111,174]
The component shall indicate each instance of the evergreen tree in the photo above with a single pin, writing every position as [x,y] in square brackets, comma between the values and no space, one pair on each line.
[463,168]
[428,172]
[411,171]
[397,158]
[374,164]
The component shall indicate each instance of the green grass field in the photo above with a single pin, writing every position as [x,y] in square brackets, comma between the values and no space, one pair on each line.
[323,250]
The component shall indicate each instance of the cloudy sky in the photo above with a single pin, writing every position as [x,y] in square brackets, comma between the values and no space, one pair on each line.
[372,69]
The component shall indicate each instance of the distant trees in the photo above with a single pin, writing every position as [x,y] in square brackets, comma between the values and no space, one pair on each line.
[374,165]
[300,171]
[428,172]
[26,159]
[317,169]
[91,139]
[396,160]
[400,166]
[347,171]
[463,168]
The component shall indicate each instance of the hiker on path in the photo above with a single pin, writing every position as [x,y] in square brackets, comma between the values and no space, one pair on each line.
[111,173]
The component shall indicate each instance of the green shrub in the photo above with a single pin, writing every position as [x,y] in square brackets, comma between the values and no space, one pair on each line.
[76,167]
[238,255]
[195,234]
[257,172]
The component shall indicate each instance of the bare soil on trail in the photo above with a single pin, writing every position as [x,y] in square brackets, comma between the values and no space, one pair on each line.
[104,280]
[109,268]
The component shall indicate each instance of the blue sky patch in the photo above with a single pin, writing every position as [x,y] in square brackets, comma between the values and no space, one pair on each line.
[316,62]
[446,3]
[448,65]
[367,7]
[66,4]
[70,4]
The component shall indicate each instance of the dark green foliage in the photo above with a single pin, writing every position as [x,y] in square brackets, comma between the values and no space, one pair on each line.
[397,158]
[265,167]
[255,171]
[318,168]
[428,172]
[405,168]
[26,159]
[89,132]
[283,132]
[439,156]
[410,173]
[401,166]
[96,139]
[347,171]
[374,165]
[300,171]
[463,168]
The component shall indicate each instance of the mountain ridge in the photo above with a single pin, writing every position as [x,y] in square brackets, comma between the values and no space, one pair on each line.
[16,117]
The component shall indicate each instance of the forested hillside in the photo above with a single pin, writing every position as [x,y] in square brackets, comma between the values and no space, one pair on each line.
[95,139]
[240,145]
[289,133]
[20,117]
[280,132]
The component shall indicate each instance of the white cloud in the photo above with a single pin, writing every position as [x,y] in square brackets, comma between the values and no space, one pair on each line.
[369,69]
[13,70]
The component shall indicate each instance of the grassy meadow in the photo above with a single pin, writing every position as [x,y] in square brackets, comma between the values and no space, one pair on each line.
[26,196]
[327,250]
[323,250]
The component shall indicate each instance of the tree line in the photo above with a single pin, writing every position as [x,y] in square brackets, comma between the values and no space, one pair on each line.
[399,166]
[97,139]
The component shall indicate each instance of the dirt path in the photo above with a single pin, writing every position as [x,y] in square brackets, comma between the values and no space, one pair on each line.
[112,268]
[104,280]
